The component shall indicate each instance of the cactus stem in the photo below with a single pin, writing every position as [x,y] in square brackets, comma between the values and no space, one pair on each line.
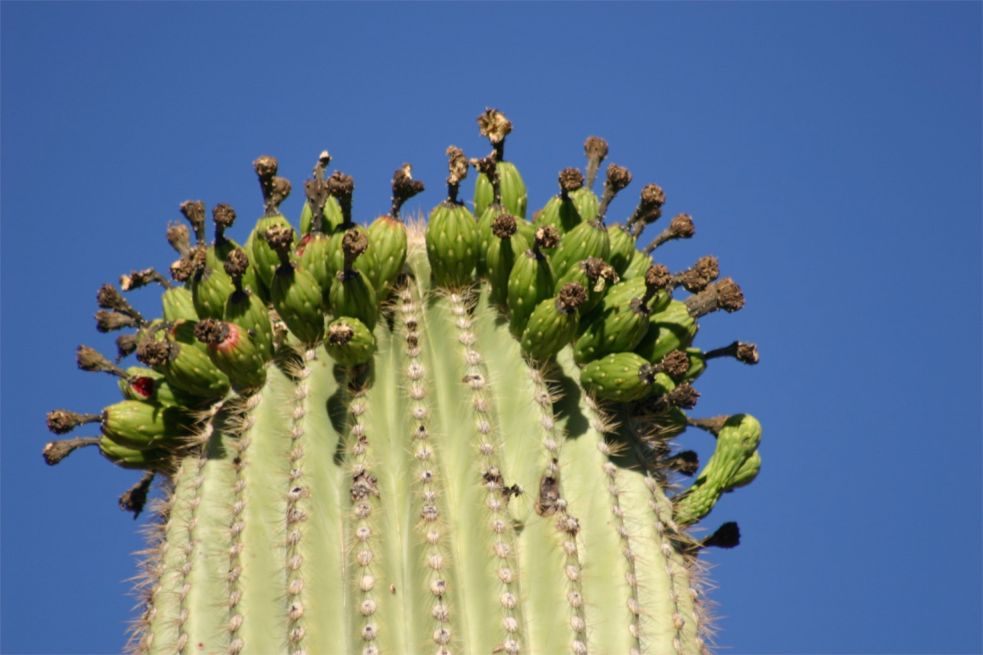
[239,447]
[629,552]
[363,493]
[297,508]
[503,545]
[551,500]
[681,619]
[427,466]
[147,581]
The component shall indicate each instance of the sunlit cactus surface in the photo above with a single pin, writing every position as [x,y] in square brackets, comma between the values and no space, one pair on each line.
[451,436]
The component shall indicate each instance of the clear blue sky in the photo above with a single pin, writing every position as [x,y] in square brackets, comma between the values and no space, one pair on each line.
[829,152]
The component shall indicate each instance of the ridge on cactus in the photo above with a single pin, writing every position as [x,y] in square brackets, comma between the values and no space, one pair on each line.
[398,437]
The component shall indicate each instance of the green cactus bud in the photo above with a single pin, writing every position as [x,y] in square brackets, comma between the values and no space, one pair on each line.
[179,305]
[234,353]
[531,280]
[637,265]
[349,341]
[351,294]
[561,211]
[182,361]
[265,261]
[452,244]
[653,287]
[595,275]
[387,243]
[623,377]
[210,287]
[507,243]
[513,190]
[134,458]
[330,215]
[622,248]
[244,308]
[314,256]
[148,385]
[589,239]
[553,323]
[670,329]
[138,424]
[617,329]
[295,293]
[502,185]
[737,442]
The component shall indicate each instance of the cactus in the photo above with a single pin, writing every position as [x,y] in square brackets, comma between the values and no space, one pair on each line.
[410,456]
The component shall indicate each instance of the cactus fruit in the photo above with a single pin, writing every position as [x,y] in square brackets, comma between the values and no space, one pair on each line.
[369,443]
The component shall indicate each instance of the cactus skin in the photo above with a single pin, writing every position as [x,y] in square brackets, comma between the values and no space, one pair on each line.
[421,478]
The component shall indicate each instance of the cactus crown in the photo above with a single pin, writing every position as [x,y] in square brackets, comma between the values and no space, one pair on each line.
[396,438]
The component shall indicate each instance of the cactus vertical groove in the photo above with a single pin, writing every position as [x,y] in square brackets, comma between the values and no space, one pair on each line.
[402,439]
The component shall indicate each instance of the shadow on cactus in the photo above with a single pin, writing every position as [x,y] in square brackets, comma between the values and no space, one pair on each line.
[451,437]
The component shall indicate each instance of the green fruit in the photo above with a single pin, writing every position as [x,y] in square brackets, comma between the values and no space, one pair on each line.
[148,385]
[183,362]
[297,297]
[387,243]
[263,257]
[637,265]
[134,458]
[530,283]
[332,217]
[349,341]
[617,329]
[623,377]
[352,295]
[452,244]
[138,424]
[179,305]
[512,188]
[622,248]
[314,256]
[588,239]
[669,329]
[587,204]
[247,311]
[553,323]
[505,246]
[234,353]
[595,275]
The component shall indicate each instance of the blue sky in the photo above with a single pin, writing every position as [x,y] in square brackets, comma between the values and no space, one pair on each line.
[829,152]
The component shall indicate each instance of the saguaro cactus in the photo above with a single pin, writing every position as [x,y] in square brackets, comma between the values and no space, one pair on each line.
[365,446]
